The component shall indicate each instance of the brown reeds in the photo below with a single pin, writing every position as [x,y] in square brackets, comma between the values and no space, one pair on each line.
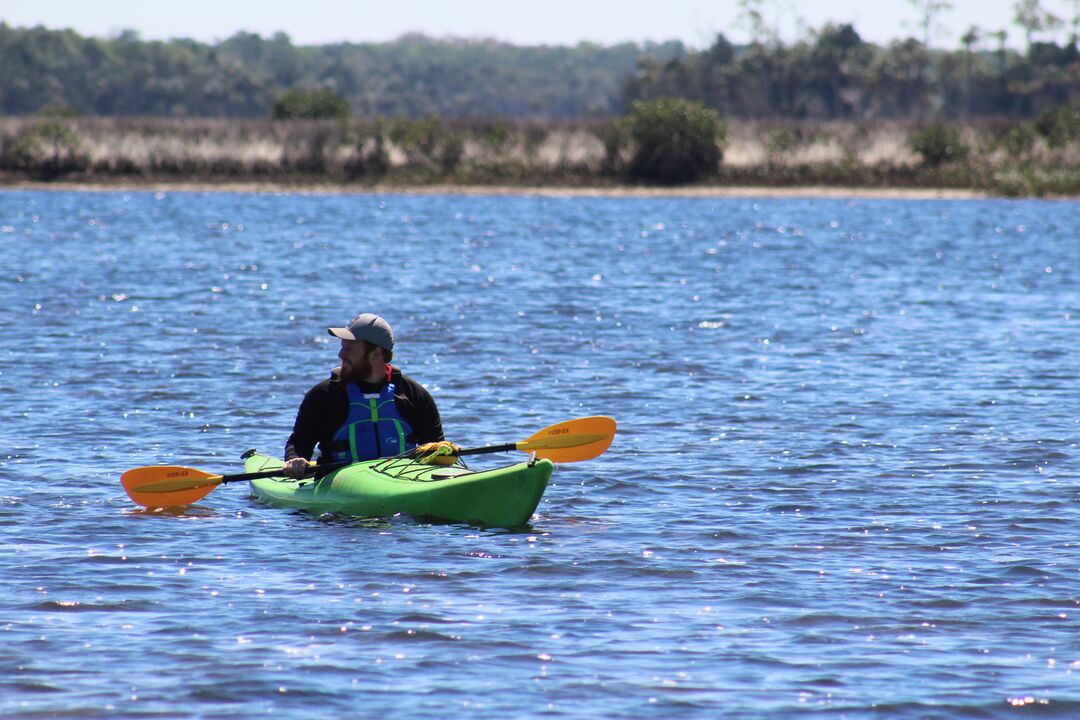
[1002,157]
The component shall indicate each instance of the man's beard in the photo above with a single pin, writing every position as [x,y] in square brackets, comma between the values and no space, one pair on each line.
[357,372]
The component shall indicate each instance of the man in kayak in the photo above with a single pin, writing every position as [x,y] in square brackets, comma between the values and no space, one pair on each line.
[366,409]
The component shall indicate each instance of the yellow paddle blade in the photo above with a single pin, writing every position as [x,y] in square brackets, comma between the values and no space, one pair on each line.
[573,440]
[162,486]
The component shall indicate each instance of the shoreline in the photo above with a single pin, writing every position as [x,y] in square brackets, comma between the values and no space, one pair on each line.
[712,191]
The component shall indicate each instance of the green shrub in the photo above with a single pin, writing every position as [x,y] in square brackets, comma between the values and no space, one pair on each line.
[535,136]
[1020,139]
[370,159]
[495,137]
[615,139]
[428,143]
[938,144]
[1060,126]
[310,105]
[452,151]
[778,145]
[674,141]
[310,147]
[47,150]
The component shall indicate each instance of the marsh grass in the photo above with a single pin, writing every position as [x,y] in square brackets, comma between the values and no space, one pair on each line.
[1002,157]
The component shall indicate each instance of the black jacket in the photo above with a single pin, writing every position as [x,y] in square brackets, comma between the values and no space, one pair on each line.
[326,406]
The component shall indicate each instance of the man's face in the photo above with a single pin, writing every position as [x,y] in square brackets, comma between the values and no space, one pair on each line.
[356,364]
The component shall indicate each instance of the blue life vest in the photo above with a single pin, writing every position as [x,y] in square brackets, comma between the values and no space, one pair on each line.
[373,427]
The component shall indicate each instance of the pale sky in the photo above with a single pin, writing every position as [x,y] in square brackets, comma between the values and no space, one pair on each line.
[523,22]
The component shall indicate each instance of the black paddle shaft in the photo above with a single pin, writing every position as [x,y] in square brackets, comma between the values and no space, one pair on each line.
[508,447]
[315,469]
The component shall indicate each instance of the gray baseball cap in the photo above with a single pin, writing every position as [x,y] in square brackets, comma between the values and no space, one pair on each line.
[367,326]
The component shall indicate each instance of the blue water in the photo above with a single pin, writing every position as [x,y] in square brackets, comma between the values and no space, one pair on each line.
[844,484]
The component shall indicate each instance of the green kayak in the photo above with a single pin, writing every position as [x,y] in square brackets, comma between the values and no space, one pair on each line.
[502,497]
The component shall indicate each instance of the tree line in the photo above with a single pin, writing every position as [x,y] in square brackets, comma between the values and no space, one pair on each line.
[835,74]
[242,77]
[830,73]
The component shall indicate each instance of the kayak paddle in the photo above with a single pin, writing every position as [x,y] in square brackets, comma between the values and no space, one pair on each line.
[162,486]
[569,441]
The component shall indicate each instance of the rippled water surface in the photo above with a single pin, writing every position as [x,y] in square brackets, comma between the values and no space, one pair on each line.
[844,484]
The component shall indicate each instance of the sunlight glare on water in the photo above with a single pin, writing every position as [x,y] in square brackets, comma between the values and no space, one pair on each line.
[843,483]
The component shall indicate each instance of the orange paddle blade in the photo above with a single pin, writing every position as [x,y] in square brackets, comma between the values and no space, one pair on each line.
[164,486]
[573,440]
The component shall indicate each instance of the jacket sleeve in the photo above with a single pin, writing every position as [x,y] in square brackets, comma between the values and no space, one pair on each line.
[307,429]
